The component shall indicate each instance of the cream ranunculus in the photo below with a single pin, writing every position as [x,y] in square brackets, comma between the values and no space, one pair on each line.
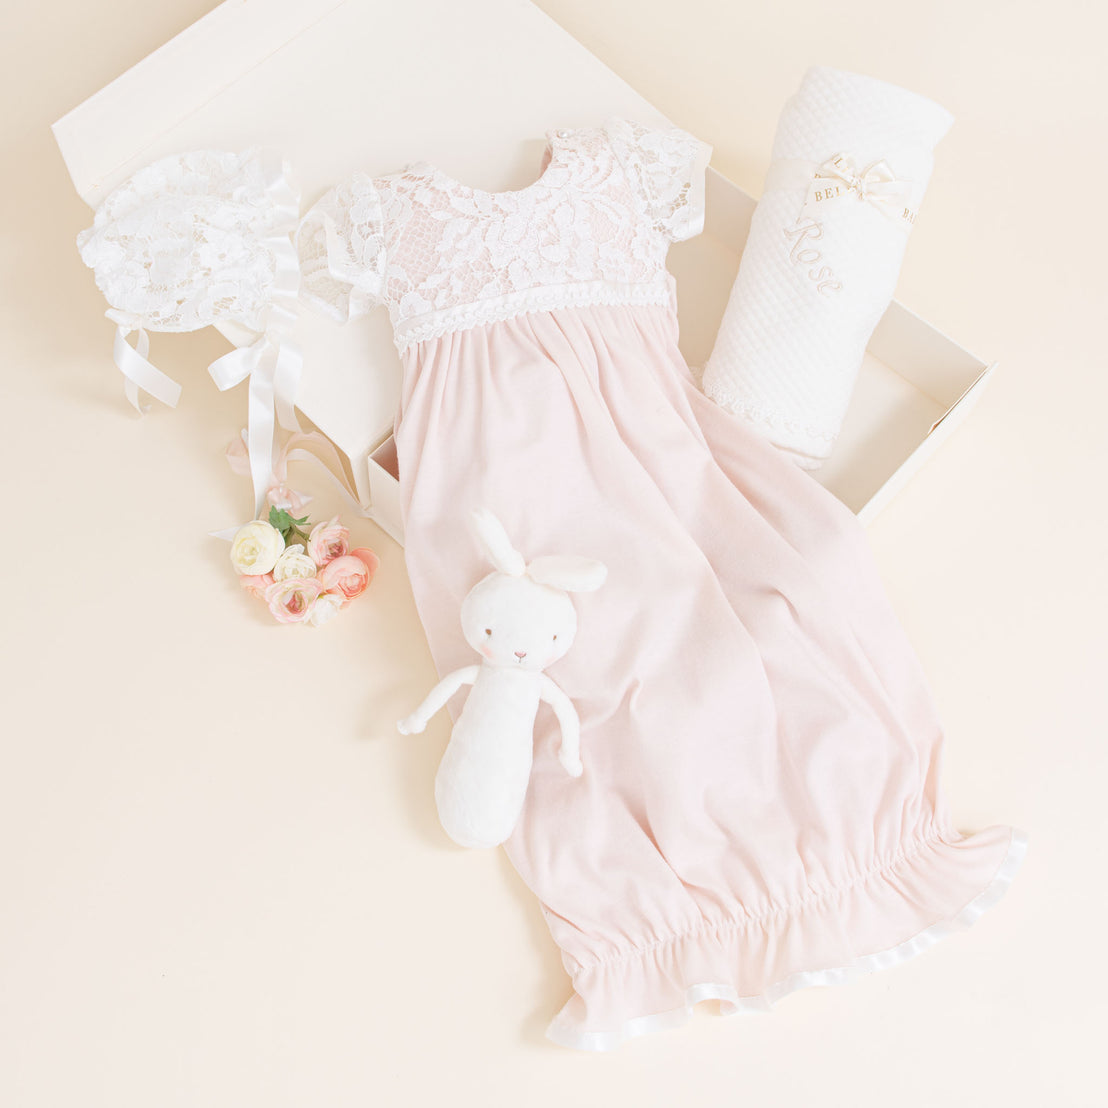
[325,608]
[293,563]
[256,548]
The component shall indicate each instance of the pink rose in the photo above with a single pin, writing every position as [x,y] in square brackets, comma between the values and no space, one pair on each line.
[327,542]
[256,584]
[291,600]
[350,574]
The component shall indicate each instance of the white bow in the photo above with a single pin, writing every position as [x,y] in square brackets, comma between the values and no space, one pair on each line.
[876,184]
[274,364]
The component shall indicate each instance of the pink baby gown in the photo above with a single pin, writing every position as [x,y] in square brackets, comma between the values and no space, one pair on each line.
[760,807]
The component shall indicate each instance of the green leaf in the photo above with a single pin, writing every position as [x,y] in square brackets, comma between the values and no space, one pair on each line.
[281,521]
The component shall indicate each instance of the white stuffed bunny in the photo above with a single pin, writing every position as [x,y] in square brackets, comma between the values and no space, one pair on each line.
[520,620]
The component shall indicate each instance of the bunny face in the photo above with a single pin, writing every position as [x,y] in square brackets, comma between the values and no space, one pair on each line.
[516,623]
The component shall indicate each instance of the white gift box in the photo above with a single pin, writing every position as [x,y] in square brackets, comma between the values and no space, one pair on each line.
[338,85]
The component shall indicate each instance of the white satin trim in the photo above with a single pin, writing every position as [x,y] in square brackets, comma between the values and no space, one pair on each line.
[731,1003]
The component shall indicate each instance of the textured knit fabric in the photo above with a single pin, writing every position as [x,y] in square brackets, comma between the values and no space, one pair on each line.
[812,287]
[760,801]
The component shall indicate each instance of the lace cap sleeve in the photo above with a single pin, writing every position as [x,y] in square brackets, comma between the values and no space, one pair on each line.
[341,243]
[666,166]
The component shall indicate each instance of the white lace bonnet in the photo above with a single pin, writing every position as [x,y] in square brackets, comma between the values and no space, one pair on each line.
[202,238]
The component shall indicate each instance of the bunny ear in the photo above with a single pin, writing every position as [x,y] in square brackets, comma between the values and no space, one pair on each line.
[568,572]
[490,531]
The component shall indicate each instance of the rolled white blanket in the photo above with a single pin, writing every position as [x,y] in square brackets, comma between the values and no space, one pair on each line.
[851,161]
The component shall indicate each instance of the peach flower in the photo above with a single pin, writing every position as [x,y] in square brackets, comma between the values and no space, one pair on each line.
[366,555]
[350,574]
[292,600]
[256,584]
[328,541]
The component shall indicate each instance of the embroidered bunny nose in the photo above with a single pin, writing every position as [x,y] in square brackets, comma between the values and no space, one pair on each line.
[521,653]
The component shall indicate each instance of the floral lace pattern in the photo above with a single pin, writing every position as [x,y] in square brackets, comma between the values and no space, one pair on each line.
[593,229]
[192,239]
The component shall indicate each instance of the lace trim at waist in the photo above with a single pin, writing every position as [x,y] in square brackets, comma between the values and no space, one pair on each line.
[496,309]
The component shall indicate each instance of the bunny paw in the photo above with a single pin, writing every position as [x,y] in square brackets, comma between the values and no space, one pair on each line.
[571,765]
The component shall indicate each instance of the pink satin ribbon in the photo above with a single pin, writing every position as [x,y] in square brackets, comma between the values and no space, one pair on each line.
[310,446]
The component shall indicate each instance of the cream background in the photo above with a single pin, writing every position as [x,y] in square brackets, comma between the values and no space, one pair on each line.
[222,881]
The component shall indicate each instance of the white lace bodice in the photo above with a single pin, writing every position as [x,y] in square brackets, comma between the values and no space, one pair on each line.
[593,229]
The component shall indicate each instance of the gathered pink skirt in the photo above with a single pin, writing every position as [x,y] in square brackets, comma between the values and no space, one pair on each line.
[761,806]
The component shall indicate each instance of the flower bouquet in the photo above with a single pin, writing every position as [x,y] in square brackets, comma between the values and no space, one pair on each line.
[302,582]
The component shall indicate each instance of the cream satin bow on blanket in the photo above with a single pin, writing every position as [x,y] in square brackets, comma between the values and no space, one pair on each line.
[876,184]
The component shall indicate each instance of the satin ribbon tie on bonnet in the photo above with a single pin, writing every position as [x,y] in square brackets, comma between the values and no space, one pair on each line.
[198,239]
[308,446]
